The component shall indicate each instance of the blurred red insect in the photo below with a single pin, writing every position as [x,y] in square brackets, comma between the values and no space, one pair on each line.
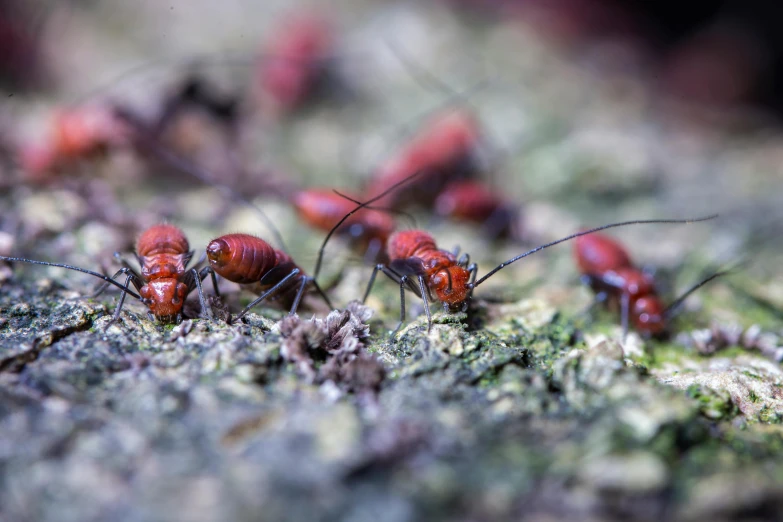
[368,231]
[475,202]
[446,149]
[74,134]
[294,61]
[607,268]
[164,282]
[250,261]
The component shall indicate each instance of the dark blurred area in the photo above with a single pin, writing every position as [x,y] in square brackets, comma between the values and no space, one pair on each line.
[719,54]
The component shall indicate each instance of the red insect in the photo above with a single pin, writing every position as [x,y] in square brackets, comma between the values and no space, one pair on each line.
[446,149]
[293,64]
[368,230]
[433,274]
[249,260]
[74,134]
[606,267]
[164,282]
[473,201]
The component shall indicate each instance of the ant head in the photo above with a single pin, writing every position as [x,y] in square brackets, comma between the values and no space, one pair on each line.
[165,298]
[451,285]
[648,315]
[218,253]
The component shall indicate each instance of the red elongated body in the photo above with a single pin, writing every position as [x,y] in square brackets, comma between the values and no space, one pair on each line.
[597,253]
[292,61]
[444,150]
[323,209]
[249,260]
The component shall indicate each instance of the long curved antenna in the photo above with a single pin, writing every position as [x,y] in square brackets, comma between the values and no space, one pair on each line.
[181,164]
[321,250]
[69,267]
[584,233]
[388,210]
[672,309]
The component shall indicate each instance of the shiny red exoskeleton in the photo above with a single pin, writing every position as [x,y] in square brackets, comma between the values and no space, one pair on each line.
[75,134]
[164,282]
[293,61]
[444,150]
[323,209]
[251,261]
[475,202]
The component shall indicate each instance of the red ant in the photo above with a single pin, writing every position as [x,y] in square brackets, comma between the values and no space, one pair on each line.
[249,260]
[473,201]
[444,150]
[293,66]
[323,208]
[416,263]
[74,134]
[607,268]
[164,282]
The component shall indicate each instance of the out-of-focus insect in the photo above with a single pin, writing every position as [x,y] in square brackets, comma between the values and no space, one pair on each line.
[446,149]
[475,202]
[250,261]
[433,274]
[75,134]
[164,282]
[607,268]
[368,231]
[294,64]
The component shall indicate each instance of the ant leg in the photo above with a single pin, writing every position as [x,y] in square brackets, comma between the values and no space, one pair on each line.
[464,260]
[122,302]
[322,293]
[299,294]
[424,293]
[205,308]
[266,294]
[625,302]
[136,280]
[455,250]
[403,282]
[372,281]
[202,274]
[124,262]
[473,270]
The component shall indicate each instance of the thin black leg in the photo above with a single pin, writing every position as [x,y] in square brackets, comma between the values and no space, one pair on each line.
[136,280]
[205,308]
[299,294]
[464,260]
[424,293]
[122,302]
[266,294]
[403,282]
[377,268]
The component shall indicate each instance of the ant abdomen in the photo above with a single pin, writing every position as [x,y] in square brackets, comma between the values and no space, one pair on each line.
[242,258]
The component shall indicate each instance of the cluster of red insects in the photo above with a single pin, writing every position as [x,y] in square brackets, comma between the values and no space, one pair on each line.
[439,168]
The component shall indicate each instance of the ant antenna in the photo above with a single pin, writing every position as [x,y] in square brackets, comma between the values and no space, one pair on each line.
[183,165]
[584,233]
[321,250]
[389,210]
[673,308]
[70,267]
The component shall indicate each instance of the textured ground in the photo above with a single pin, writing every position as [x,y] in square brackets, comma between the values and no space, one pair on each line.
[528,409]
